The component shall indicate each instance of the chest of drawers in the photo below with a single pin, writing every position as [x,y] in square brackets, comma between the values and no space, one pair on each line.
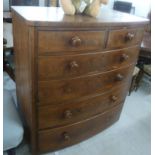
[72,72]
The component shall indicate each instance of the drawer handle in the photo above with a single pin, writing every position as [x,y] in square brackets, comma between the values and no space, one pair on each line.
[129,36]
[114,98]
[74,64]
[66,136]
[68,114]
[76,41]
[119,77]
[124,57]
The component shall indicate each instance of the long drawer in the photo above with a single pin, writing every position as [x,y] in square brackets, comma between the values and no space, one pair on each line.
[57,91]
[67,41]
[124,38]
[58,138]
[54,116]
[64,66]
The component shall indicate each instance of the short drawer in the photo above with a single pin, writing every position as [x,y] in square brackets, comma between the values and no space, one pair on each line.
[57,91]
[70,41]
[67,66]
[57,138]
[124,38]
[49,116]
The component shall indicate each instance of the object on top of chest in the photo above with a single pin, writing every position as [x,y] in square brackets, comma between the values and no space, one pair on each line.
[88,7]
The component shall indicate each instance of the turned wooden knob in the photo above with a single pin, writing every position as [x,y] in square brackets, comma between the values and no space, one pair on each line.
[119,77]
[74,64]
[76,41]
[124,57]
[68,114]
[129,36]
[66,136]
[114,98]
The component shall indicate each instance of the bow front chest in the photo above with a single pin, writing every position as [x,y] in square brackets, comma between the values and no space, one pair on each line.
[72,72]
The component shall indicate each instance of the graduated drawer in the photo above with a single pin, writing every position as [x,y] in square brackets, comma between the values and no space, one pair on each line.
[57,91]
[69,41]
[67,66]
[49,116]
[58,138]
[124,38]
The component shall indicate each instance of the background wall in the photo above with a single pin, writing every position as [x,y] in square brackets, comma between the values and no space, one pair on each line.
[6,5]
[42,2]
[142,7]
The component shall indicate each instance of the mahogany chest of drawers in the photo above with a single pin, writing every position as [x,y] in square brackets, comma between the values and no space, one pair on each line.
[72,72]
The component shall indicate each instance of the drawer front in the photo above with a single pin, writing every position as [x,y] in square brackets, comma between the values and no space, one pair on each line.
[57,91]
[50,116]
[65,136]
[67,66]
[67,41]
[124,38]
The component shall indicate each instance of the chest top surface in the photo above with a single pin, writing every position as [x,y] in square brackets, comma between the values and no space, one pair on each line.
[51,16]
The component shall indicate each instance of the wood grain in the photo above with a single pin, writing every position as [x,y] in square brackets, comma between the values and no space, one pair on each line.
[57,138]
[124,38]
[49,92]
[24,75]
[84,64]
[22,68]
[54,17]
[60,41]
[72,72]
[55,116]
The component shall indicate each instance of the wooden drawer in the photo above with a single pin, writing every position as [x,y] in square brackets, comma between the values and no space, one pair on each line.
[124,38]
[50,116]
[59,67]
[57,91]
[67,41]
[68,135]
